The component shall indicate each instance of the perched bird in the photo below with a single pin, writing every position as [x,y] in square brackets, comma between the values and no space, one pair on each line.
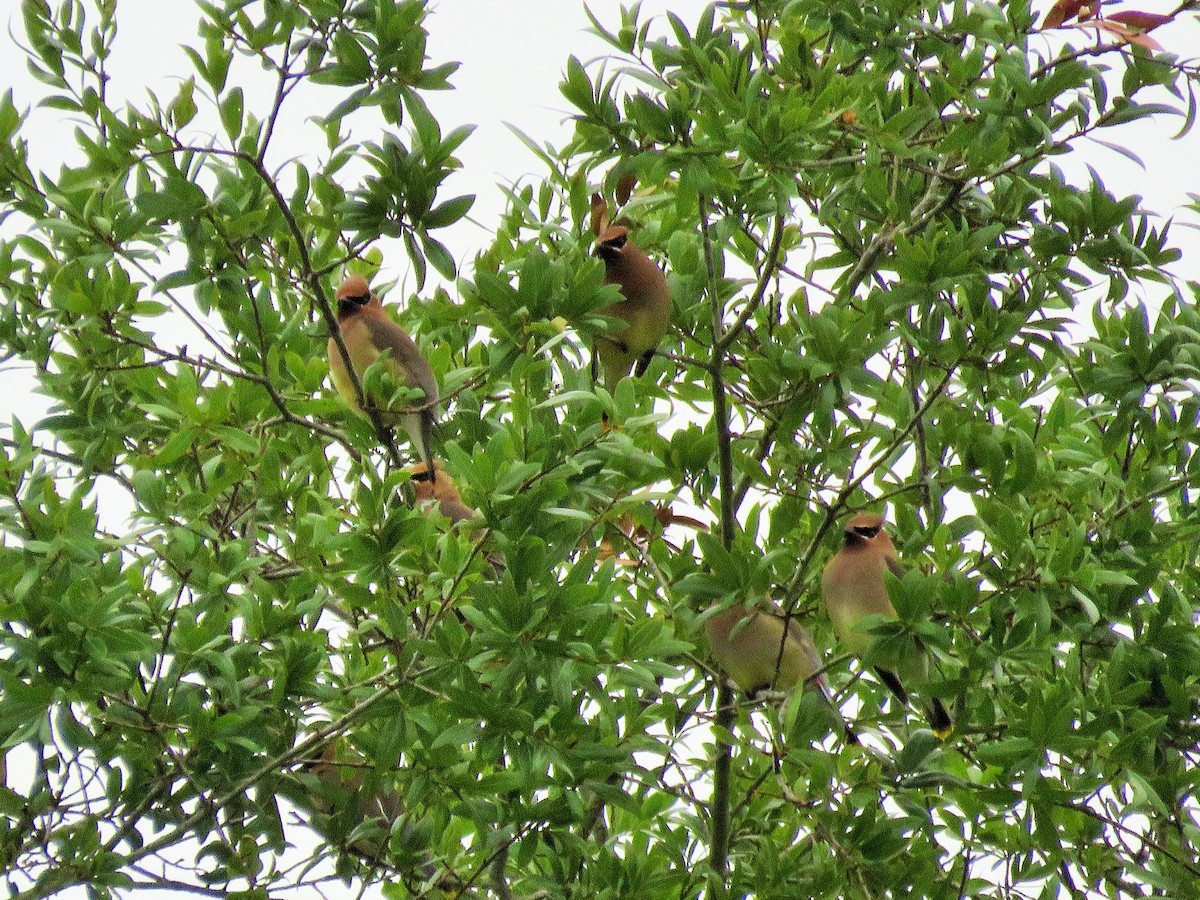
[439,493]
[441,496]
[345,772]
[369,333]
[646,307]
[370,819]
[854,587]
[760,649]
[357,815]
[338,805]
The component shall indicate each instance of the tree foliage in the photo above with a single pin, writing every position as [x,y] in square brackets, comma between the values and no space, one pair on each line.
[886,293]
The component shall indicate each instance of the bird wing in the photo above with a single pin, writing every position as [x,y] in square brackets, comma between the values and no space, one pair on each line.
[457,511]
[407,355]
[808,647]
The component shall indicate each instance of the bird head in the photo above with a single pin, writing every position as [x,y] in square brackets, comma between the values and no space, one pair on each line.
[611,242]
[353,295]
[438,486]
[862,529]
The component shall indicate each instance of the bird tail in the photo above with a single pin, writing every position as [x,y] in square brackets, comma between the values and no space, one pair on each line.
[939,719]
[427,446]
[839,721]
[893,684]
[940,722]
[419,426]
[644,363]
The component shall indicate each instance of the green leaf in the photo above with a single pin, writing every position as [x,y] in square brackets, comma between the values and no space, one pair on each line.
[448,213]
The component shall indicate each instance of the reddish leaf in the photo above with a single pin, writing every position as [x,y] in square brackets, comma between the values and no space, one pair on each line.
[625,189]
[599,214]
[1061,11]
[1144,40]
[1143,21]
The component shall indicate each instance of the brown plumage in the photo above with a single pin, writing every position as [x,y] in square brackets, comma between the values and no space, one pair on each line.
[369,333]
[440,494]
[342,775]
[760,649]
[854,587]
[347,774]
[646,308]
[441,497]
[748,652]
[353,817]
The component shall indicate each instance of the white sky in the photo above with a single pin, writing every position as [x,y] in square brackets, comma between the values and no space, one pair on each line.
[513,55]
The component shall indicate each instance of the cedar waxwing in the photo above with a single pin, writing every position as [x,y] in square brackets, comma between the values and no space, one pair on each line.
[646,307]
[340,806]
[761,649]
[368,333]
[441,496]
[854,587]
[342,775]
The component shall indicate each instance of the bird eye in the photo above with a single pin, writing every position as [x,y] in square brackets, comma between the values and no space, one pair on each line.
[421,476]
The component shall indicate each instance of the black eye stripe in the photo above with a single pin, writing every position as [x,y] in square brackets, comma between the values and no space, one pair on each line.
[346,304]
[421,476]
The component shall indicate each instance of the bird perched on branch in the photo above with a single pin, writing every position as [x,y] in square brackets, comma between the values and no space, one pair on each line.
[646,309]
[854,586]
[761,649]
[441,497]
[343,776]
[345,802]
[440,494]
[369,334]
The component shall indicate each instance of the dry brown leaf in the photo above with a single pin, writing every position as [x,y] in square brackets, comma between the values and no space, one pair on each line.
[1061,11]
[625,189]
[599,214]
